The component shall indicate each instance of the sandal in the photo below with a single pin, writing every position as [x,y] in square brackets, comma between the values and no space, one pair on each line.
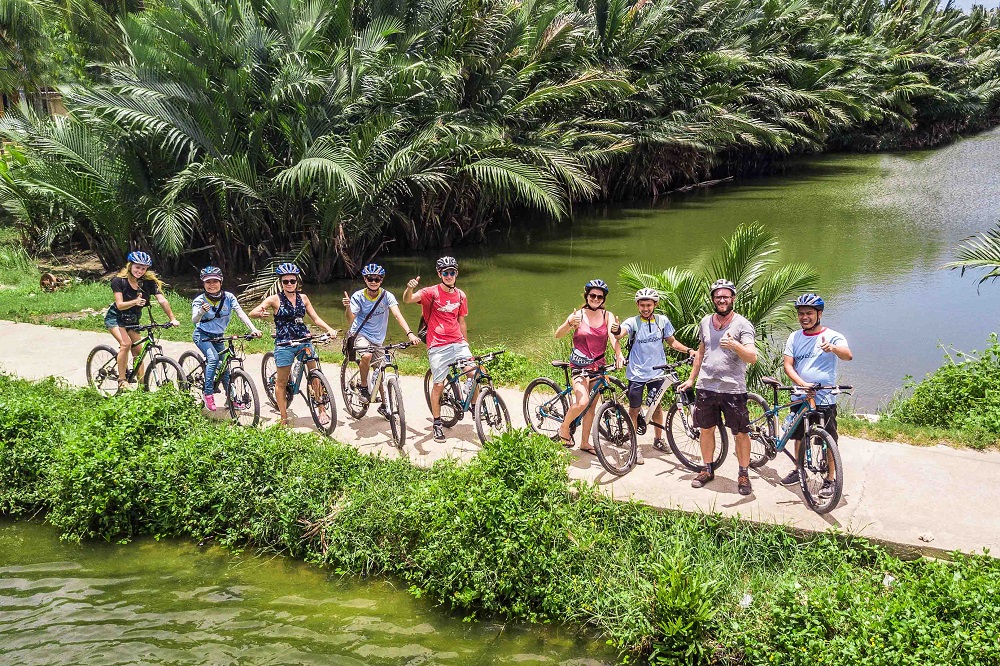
[565,441]
[590,451]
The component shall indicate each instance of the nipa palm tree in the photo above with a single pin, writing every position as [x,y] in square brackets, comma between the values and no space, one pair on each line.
[979,252]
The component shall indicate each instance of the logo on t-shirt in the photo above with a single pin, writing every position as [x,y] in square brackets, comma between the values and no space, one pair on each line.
[450,307]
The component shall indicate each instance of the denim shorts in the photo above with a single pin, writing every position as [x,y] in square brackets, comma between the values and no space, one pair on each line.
[115,318]
[283,356]
[635,390]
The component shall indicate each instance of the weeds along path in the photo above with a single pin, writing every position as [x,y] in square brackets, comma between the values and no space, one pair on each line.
[933,499]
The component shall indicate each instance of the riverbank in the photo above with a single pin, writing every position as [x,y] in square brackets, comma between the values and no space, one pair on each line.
[506,533]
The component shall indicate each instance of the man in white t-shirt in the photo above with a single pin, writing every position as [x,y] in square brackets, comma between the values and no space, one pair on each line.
[646,333]
[811,356]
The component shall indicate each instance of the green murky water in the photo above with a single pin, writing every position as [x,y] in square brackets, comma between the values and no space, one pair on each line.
[876,227]
[172,602]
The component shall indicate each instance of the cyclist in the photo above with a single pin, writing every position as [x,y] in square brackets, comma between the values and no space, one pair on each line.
[211,311]
[367,313]
[720,369]
[811,356]
[131,288]
[646,333]
[290,307]
[592,325]
[445,308]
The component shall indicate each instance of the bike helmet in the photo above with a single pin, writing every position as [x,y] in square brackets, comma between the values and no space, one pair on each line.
[446,262]
[210,273]
[140,258]
[596,284]
[287,268]
[372,269]
[647,294]
[722,284]
[810,300]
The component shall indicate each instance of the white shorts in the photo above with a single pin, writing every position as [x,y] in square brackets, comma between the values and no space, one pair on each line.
[443,356]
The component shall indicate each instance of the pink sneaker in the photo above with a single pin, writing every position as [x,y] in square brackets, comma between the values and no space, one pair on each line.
[210,402]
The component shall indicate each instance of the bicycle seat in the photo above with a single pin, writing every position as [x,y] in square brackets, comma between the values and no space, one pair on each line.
[560,364]
[770,381]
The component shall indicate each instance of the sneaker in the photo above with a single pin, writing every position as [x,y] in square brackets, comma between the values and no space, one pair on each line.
[210,403]
[240,405]
[661,445]
[384,412]
[638,456]
[791,479]
[438,432]
[743,484]
[826,492]
[365,395]
[704,476]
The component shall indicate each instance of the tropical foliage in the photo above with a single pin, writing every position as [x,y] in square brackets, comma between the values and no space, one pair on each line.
[332,129]
[979,252]
[765,289]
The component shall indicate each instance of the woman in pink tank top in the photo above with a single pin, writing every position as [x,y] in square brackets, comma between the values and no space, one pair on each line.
[591,326]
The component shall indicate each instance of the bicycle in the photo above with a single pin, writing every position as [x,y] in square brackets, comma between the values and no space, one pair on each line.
[818,453]
[546,403]
[489,411]
[102,364]
[320,394]
[683,436]
[243,402]
[384,378]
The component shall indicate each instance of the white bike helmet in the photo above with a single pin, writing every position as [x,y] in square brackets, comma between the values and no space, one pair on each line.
[722,284]
[647,294]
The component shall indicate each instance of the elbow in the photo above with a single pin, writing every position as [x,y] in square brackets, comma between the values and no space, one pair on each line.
[752,358]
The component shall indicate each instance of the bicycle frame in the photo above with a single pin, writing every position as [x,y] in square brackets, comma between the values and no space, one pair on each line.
[600,386]
[228,355]
[477,373]
[146,343]
[387,362]
[803,409]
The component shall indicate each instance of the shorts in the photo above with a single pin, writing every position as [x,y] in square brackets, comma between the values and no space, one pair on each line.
[284,356]
[635,390]
[711,408]
[361,343]
[830,422]
[115,318]
[442,357]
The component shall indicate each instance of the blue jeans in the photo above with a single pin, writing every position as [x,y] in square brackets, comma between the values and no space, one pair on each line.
[211,351]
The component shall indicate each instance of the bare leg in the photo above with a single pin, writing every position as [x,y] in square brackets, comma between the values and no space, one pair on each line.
[436,390]
[707,442]
[579,403]
[364,363]
[280,386]
[743,449]
[121,336]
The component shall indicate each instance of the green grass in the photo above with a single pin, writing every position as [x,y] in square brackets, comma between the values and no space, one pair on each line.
[506,535]
[888,429]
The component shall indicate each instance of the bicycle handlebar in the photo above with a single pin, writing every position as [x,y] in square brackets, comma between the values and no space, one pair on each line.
[149,327]
[673,366]
[318,339]
[485,358]
[227,338]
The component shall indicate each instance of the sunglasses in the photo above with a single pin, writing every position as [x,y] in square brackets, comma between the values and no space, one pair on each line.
[596,295]
[292,281]
[372,278]
[449,273]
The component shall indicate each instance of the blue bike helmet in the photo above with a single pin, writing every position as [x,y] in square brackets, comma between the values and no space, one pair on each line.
[210,273]
[810,300]
[287,268]
[596,284]
[372,269]
[140,258]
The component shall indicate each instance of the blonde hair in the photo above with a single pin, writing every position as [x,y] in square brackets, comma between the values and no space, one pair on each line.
[150,275]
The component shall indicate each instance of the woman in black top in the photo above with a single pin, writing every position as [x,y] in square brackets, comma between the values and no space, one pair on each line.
[132,288]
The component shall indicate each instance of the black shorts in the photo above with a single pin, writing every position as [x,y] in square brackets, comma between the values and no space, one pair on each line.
[710,408]
[635,391]
[830,417]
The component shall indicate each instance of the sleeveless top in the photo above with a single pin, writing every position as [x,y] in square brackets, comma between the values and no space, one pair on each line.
[590,342]
[288,322]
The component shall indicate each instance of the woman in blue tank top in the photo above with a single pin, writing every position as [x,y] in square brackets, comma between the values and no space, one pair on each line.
[290,309]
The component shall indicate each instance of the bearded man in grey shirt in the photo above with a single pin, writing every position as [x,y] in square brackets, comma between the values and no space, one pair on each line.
[720,370]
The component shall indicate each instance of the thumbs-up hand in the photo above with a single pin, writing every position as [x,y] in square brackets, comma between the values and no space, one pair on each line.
[728,341]
[575,319]
[346,300]
[824,345]
[412,284]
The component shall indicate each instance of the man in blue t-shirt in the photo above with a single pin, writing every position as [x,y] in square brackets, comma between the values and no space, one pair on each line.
[367,313]
[811,356]
[646,333]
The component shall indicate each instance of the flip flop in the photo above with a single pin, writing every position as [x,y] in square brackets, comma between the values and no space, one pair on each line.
[565,441]
[590,451]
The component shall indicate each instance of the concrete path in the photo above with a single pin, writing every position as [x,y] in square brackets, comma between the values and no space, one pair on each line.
[933,499]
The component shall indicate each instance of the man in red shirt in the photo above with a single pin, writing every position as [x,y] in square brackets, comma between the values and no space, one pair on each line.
[444,308]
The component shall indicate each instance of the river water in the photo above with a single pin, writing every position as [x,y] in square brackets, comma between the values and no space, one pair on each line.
[877,228]
[171,602]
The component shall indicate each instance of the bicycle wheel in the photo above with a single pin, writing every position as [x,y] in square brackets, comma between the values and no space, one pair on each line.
[685,440]
[544,406]
[102,370]
[244,405]
[394,406]
[193,365]
[321,404]
[762,429]
[492,418]
[164,372]
[350,380]
[450,407]
[614,438]
[816,455]
[268,376]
